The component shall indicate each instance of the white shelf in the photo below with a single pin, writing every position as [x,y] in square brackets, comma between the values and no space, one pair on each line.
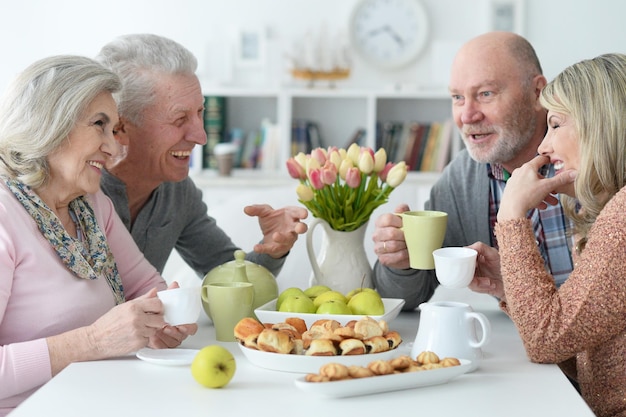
[338,111]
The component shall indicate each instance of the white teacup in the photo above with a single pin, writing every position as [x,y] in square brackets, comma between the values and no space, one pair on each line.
[455,266]
[449,329]
[181,305]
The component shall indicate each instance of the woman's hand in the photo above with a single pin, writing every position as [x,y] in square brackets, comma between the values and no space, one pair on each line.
[528,189]
[129,326]
[280,228]
[172,336]
[487,277]
[389,243]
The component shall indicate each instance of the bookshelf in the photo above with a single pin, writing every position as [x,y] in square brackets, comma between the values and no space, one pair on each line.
[337,114]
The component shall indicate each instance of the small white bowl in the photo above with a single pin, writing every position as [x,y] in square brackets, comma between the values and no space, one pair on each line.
[267,313]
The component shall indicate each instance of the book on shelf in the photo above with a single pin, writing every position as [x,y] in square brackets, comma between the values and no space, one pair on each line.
[214,125]
[430,148]
[270,146]
[423,147]
[413,144]
[357,137]
[305,136]
[444,154]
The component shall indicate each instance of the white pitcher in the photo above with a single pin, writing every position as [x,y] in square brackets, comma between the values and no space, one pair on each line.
[342,264]
[448,329]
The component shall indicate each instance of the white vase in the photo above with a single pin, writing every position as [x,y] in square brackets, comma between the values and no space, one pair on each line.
[341,263]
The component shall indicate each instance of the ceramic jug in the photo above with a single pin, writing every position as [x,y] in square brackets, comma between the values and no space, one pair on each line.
[342,263]
[449,329]
[265,286]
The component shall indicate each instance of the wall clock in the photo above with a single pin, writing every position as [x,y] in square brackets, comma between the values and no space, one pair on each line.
[388,34]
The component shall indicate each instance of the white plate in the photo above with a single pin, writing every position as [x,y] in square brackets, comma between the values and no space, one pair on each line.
[267,313]
[383,383]
[167,356]
[309,364]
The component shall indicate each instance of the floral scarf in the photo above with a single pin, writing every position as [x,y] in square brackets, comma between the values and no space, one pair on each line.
[90,258]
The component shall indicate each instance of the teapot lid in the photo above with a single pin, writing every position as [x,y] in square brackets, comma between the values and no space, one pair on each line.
[228,270]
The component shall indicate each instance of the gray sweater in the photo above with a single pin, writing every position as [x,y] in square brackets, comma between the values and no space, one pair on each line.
[176,217]
[462,191]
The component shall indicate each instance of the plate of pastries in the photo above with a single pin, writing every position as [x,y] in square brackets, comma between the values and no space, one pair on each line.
[336,380]
[292,346]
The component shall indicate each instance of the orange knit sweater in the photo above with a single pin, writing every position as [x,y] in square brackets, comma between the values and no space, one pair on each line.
[584,320]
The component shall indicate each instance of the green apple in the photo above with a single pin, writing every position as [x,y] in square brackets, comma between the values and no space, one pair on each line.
[358,290]
[367,303]
[328,296]
[213,366]
[287,293]
[297,304]
[316,290]
[333,307]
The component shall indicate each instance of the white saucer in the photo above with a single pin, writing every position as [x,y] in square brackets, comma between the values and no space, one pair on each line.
[169,357]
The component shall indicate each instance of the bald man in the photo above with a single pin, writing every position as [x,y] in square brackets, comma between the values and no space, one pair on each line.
[495,83]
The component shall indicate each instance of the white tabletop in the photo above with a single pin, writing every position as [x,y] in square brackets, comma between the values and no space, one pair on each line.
[506,383]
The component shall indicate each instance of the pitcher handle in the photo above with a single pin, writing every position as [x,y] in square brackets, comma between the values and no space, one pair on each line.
[485,326]
[317,273]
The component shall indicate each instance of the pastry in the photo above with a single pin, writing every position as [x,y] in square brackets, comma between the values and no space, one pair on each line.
[345,332]
[366,328]
[376,344]
[393,338]
[316,378]
[380,367]
[446,362]
[356,371]
[321,347]
[246,327]
[351,347]
[427,357]
[271,340]
[250,341]
[289,329]
[334,371]
[401,362]
[325,324]
[297,323]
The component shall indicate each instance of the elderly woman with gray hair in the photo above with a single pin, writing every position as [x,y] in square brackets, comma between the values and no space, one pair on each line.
[73,284]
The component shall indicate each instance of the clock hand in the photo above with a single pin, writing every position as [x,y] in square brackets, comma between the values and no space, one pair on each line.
[376,31]
[394,35]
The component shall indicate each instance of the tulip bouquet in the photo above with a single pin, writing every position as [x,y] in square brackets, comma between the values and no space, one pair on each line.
[343,187]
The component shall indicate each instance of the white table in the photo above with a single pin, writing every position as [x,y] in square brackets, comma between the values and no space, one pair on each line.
[505,384]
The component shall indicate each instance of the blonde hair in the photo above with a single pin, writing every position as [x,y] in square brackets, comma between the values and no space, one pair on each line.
[593,93]
[41,107]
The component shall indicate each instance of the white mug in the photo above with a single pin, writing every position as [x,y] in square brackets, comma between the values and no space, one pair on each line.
[181,305]
[455,266]
[448,329]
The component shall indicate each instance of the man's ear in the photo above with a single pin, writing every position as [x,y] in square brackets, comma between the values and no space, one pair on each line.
[121,134]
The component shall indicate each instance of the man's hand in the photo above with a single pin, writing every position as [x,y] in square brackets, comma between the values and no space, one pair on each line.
[280,227]
[389,243]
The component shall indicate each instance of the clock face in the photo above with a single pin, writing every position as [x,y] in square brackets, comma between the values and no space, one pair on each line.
[388,33]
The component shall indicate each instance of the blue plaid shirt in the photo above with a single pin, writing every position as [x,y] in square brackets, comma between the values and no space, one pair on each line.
[552,228]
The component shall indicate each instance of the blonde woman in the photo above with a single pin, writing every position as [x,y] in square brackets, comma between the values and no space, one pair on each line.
[581,325]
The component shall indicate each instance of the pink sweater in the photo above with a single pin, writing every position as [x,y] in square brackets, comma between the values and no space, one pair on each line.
[40,297]
[585,320]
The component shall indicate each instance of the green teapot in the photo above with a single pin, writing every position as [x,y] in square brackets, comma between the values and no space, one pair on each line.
[265,286]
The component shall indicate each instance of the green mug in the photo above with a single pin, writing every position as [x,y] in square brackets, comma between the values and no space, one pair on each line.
[229,302]
[424,232]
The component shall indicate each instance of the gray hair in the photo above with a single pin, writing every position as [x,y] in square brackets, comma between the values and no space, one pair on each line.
[138,59]
[41,107]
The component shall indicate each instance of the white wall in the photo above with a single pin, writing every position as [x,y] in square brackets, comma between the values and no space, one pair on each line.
[563,31]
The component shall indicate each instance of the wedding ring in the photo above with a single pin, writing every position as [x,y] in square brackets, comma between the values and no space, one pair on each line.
[385,247]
